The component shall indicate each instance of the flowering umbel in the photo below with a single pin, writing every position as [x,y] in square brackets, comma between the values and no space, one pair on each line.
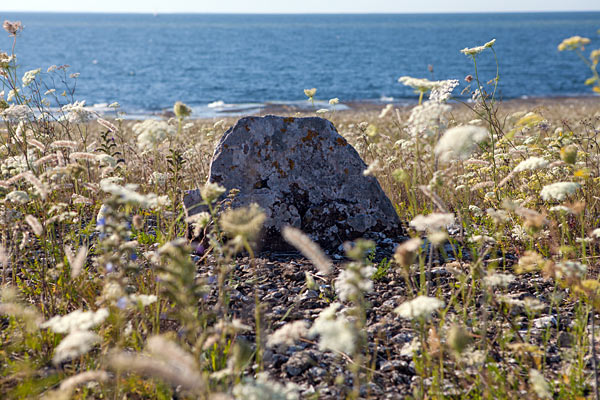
[573,43]
[181,110]
[12,27]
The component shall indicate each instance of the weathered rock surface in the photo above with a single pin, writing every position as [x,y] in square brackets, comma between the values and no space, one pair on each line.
[303,173]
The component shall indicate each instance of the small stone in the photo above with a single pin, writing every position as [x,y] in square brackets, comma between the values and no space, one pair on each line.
[544,322]
[564,339]
[317,372]
[298,363]
[302,173]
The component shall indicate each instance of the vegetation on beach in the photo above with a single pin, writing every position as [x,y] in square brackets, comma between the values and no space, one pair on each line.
[101,298]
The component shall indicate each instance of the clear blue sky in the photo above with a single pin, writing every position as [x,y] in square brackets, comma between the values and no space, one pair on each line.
[297,6]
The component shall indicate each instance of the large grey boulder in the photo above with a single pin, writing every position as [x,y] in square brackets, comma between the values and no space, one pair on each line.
[303,173]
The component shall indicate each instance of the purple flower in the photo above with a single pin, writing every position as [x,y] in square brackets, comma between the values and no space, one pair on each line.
[122,303]
[200,249]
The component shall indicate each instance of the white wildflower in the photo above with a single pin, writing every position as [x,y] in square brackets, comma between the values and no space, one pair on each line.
[437,238]
[442,93]
[420,84]
[476,50]
[496,279]
[77,113]
[432,222]
[74,345]
[476,211]
[334,101]
[29,76]
[159,178]
[411,348]
[106,160]
[482,239]
[143,299]
[211,192]
[265,389]
[17,113]
[310,93]
[558,191]
[459,142]
[127,194]
[199,221]
[12,94]
[519,233]
[15,165]
[473,358]
[152,133]
[363,126]
[570,269]
[532,163]
[419,307]
[354,280]
[76,321]
[539,384]
[595,233]
[426,119]
[288,334]
[335,331]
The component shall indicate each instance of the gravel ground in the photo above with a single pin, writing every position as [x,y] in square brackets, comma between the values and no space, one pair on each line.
[278,282]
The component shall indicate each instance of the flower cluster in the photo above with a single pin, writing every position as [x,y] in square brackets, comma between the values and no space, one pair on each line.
[152,133]
[573,43]
[460,142]
[355,279]
[421,307]
[473,51]
[559,190]
[335,331]
[432,222]
[77,113]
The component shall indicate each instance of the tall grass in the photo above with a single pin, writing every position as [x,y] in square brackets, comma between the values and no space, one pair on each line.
[101,296]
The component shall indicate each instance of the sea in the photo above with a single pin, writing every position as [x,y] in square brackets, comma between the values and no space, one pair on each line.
[230,64]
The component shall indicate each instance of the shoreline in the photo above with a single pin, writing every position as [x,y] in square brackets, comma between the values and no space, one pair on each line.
[305,108]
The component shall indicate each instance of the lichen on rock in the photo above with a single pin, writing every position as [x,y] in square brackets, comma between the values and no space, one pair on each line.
[303,173]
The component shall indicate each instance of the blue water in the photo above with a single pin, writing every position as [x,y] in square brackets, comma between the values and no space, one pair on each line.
[148,62]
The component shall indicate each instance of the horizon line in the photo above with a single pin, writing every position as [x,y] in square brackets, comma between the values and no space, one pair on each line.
[301,13]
